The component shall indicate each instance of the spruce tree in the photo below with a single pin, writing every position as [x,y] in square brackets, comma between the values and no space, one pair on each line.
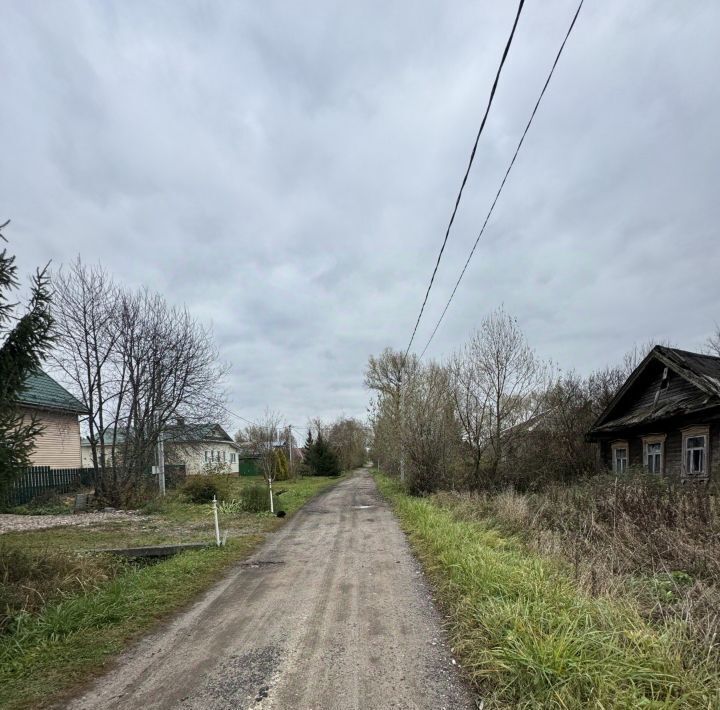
[26,340]
[309,458]
[326,461]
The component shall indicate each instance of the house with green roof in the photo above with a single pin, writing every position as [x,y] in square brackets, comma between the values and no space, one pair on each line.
[195,445]
[58,412]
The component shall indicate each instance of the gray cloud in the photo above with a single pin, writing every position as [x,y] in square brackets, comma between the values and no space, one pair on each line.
[287,171]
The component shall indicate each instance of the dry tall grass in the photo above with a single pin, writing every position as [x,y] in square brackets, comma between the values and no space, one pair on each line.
[654,541]
[29,579]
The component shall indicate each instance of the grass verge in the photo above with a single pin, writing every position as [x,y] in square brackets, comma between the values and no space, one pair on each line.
[46,655]
[528,637]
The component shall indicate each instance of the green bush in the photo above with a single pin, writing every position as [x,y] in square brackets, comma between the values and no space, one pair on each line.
[256,499]
[282,468]
[202,488]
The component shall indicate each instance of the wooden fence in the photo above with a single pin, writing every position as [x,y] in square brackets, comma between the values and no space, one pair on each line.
[41,479]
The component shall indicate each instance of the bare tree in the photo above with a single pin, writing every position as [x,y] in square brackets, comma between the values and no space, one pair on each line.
[261,440]
[86,310]
[348,438]
[713,342]
[388,375]
[169,368]
[138,364]
[472,405]
[510,376]
[432,431]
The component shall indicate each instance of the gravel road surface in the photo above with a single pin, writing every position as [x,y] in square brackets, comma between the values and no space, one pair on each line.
[331,613]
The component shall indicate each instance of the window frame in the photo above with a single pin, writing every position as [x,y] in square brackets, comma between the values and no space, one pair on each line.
[692,433]
[614,446]
[649,441]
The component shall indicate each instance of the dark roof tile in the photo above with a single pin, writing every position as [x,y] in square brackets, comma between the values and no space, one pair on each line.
[43,392]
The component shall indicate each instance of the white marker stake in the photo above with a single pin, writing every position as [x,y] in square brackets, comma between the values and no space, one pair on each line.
[217,524]
[272,508]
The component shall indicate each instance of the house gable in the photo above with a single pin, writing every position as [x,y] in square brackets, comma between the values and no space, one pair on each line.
[667,383]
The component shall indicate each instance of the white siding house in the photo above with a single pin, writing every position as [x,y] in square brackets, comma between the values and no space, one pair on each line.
[200,446]
[194,445]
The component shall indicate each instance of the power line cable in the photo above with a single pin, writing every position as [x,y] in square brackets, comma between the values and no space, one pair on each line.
[465,177]
[502,184]
[249,421]
[237,416]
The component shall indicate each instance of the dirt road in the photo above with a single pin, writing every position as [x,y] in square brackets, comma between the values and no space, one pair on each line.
[331,613]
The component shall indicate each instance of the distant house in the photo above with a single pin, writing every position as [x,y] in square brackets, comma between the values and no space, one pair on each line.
[193,445]
[196,445]
[665,418]
[86,449]
[58,445]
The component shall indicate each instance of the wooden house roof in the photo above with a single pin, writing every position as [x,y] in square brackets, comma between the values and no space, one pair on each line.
[642,400]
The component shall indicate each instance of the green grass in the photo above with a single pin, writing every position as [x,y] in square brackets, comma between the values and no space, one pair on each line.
[70,640]
[529,638]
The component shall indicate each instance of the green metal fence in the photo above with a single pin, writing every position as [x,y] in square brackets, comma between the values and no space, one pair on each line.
[40,479]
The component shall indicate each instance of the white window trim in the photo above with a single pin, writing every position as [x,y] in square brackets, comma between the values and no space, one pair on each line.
[689,433]
[620,444]
[654,439]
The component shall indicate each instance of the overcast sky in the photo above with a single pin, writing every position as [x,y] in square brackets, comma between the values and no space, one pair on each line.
[287,170]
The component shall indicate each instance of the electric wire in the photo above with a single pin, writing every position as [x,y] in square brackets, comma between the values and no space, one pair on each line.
[465,177]
[504,180]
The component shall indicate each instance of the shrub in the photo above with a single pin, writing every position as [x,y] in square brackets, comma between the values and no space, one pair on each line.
[255,499]
[202,489]
[231,507]
[282,469]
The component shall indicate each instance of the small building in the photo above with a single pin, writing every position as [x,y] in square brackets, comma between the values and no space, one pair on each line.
[665,418]
[57,411]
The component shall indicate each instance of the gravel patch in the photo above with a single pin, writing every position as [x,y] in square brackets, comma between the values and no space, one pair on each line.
[21,523]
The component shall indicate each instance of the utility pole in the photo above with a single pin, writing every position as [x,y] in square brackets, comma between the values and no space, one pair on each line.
[290,446]
[402,430]
[161,463]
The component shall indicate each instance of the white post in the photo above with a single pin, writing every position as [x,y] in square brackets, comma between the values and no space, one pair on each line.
[272,507]
[217,524]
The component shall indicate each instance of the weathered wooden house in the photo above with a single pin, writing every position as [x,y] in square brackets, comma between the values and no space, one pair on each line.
[665,418]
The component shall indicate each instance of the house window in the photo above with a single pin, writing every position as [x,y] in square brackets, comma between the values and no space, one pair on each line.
[653,458]
[653,453]
[232,458]
[695,451]
[207,456]
[620,456]
[224,459]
